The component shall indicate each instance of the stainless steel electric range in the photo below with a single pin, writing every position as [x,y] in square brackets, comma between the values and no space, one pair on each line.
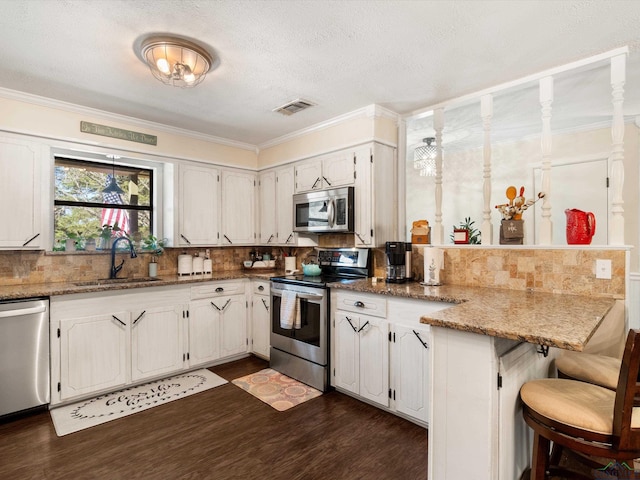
[302,351]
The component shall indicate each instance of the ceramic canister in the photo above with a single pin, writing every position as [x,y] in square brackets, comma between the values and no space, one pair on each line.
[185,264]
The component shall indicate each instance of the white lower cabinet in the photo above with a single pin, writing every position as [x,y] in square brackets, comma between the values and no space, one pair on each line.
[93,353]
[101,342]
[260,319]
[156,341]
[383,355]
[411,377]
[361,356]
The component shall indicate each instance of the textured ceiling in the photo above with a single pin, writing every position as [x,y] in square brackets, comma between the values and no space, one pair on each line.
[342,55]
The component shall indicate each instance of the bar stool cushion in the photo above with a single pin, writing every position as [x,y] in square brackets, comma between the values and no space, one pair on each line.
[589,367]
[577,404]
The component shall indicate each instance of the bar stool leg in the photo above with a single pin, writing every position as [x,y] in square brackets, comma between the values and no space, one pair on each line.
[540,457]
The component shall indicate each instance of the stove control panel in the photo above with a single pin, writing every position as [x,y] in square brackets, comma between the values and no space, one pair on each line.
[343,257]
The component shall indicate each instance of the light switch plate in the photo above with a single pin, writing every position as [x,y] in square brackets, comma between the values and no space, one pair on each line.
[603,269]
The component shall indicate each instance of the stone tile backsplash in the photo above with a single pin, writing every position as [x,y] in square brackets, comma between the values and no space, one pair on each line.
[546,270]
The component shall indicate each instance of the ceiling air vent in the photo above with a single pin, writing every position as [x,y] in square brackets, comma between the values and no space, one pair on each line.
[294,107]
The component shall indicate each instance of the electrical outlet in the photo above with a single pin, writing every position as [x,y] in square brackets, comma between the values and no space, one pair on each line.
[603,269]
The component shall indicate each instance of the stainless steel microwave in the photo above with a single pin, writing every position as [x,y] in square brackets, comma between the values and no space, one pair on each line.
[324,211]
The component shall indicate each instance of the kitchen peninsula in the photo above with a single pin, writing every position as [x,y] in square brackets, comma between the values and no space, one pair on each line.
[483,347]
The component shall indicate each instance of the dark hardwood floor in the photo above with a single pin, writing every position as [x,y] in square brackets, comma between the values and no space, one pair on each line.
[223,433]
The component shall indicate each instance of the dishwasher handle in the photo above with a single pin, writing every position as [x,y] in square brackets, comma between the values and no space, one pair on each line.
[22,311]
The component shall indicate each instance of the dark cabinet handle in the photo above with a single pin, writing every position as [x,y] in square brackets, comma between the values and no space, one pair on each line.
[265,304]
[185,239]
[225,305]
[30,240]
[358,304]
[139,317]
[289,238]
[261,288]
[325,179]
[421,341]
[359,237]
[352,326]
[116,318]
[219,290]
[215,306]
[227,238]
[269,241]
[314,183]
[362,327]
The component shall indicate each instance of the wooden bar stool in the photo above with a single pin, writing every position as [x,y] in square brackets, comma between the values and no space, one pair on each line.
[590,420]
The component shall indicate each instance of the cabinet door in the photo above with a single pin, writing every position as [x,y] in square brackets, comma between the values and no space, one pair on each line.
[238,208]
[268,206]
[204,332]
[93,354]
[285,183]
[410,368]
[363,199]
[260,326]
[374,359]
[346,354]
[233,325]
[198,204]
[308,175]
[19,195]
[338,169]
[156,341]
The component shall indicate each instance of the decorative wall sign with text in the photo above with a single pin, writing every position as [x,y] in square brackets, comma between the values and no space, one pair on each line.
[122,134]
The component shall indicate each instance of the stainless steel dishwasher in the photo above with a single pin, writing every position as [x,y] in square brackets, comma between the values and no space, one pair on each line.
[24,355]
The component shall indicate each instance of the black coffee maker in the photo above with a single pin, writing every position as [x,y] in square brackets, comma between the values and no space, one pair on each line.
[396,262]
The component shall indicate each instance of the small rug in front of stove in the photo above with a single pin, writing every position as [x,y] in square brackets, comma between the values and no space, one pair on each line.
[111,406]
[275,389]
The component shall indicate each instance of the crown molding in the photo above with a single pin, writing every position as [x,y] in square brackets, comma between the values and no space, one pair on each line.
[368,111]
[94,112]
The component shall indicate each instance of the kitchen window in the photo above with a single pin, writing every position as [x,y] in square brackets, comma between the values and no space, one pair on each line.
[88,212]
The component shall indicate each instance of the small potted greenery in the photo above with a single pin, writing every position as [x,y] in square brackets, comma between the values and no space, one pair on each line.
[466,233]
[152,244]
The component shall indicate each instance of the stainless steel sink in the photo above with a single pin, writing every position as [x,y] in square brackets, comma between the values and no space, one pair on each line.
[115,281]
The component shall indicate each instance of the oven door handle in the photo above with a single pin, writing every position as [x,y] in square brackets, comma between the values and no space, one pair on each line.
[302,296]
[305,296]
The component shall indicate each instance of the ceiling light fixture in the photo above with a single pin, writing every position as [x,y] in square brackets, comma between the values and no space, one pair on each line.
[424,158]
[175,61]
[113,185]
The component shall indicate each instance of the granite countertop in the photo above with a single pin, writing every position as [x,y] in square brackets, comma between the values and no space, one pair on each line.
[17,292]
[555,320]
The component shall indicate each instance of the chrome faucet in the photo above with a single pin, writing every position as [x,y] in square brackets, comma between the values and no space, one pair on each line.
[114,269]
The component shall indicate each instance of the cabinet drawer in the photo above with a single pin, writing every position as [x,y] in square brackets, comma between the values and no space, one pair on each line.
[261,287]
[375,305]
[217,289]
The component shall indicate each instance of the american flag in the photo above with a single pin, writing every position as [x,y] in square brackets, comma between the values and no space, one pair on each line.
[113,216]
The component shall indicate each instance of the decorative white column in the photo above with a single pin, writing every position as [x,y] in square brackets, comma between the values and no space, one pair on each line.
[618,75]
[437,232]
[545,234]
[486,111]
[402,179]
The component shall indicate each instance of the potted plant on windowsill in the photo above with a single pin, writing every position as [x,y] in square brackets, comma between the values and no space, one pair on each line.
[156,246]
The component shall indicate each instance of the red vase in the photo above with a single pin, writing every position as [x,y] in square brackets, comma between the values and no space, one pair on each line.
[581,226]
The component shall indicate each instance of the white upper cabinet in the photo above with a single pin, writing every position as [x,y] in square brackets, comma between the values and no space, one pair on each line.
[268,231]
[285,180]
[198,205]
[328,171]
[376,195]
[238,208]
[20,194]
[275,205]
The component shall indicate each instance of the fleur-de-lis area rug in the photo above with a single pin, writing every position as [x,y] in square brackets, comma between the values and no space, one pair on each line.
[276,389]
[111,406]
